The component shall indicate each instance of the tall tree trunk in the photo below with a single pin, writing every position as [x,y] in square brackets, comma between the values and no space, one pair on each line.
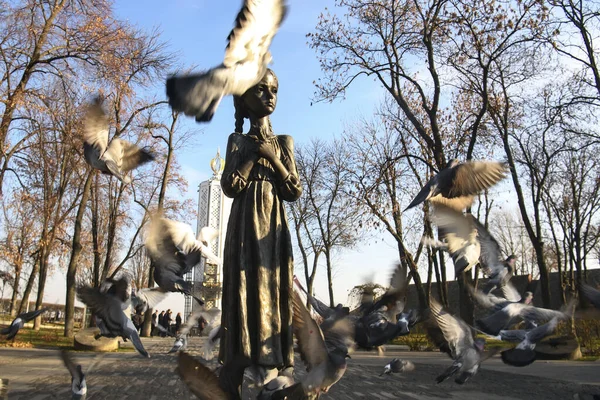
[73,262]
[29,287]
[15,293]
[45,255]
[536,240]
[329,277]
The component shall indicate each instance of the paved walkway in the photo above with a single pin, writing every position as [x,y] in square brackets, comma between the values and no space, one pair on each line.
[37,374]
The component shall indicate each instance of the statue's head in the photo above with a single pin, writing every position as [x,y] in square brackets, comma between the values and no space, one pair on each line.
[258,102]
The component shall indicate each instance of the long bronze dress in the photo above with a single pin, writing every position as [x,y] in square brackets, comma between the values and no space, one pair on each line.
[258,260]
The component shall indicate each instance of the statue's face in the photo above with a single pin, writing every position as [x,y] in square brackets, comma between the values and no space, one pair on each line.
[262,98]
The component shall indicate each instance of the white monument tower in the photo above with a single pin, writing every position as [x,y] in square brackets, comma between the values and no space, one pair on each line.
[213,210]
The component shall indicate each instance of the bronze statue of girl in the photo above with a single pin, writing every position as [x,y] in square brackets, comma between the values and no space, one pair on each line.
[260,173]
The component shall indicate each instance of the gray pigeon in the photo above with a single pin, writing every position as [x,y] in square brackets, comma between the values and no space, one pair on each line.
[459,343]
[116,158]
[324,353]
[516,312]
[180,344]
[20,322]
[397,365]
[523,354]
[245,63]
[456,185]
[78,385]
[108,307]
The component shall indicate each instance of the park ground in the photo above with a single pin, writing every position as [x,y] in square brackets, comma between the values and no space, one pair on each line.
[38,374]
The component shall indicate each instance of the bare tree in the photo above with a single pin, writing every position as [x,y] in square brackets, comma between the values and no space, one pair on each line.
[20,230]
[330,218]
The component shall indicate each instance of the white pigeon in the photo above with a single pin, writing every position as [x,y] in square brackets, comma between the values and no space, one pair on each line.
[116,158]
[245,63]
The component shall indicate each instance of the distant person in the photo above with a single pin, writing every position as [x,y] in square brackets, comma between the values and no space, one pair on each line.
[154,322]
[178,322]
[161,321]
[167,321]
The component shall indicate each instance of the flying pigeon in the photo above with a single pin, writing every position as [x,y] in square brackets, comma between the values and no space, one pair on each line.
[175,251]
[459,233]
[204,383]
[397,365]
[516,312]
[523,354]
[324,353]
[78,385]
[20,322]
[456,185]
[457,340]
[116,158]
[245,63]
[109,309]
[383,320]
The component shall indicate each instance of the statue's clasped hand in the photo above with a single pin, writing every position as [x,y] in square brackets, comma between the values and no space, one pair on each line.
[265,149]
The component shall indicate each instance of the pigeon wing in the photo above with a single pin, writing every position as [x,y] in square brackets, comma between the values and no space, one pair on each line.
[120,289]
[199,379]
[429,190]
[95,127]
[152,296]
[28,316]
[394,298]
[104,306]
[131,156]
[537,334]
[321,308]
[255,26]
[471,178]
[510,293]
[540,314]
[310,338]
[456,332]
[490,253]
